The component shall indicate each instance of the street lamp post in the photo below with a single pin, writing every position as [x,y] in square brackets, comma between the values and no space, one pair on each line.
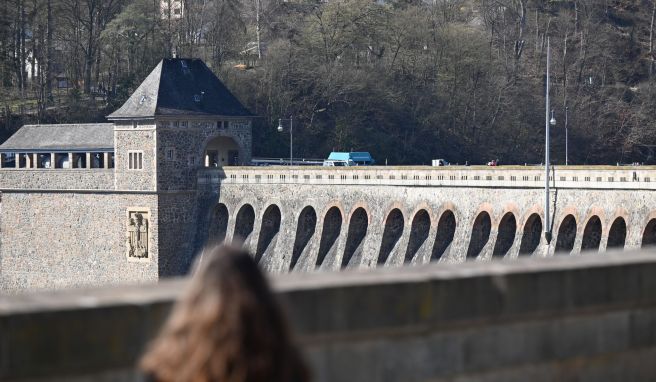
[547,123]
[566,138]
[291,136]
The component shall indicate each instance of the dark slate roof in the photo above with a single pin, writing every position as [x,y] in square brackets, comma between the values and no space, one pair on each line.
[64,137]
[180,86]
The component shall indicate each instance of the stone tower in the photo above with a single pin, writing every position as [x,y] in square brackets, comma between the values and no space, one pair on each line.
[179,120]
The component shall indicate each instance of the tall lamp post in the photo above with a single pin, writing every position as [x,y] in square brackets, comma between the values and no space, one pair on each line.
[547,123]
[291,135]
[566,138]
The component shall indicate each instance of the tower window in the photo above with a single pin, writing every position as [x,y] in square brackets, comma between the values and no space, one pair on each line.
[135,160]
[170,154]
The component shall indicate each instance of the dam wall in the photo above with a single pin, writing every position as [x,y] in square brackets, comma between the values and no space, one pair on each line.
[301,219]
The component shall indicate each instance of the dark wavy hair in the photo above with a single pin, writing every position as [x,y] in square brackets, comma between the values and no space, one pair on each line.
[227,327]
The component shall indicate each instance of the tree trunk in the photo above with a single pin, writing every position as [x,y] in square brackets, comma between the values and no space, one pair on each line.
[651,40]
[48,72]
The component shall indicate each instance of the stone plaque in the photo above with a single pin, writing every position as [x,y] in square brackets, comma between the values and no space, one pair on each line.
[138,226]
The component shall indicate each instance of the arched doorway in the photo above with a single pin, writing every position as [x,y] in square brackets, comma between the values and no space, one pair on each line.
[566,235]
[480,235]
[221,151]
[649,235]
[332,226]
[357,231]
[244,224]
[617,234]
[268,232]
[446,230]
[591,235]
[218,224]
[506,235]
[391,234]
[531,235]
[307,223]
[419,229]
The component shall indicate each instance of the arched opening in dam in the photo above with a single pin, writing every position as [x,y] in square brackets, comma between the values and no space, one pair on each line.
[221,151]
[591,235]
[418,234]
[332,226]
[617,234]
[531,235]
[268,232]
[218,224]
[446,230]
[480,234]
[505,235]
[357,231]
[566,235]
[649,235]
[391,234]
[305,228]
[244,224]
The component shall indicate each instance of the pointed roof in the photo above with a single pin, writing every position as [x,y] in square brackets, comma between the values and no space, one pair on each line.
[179,86]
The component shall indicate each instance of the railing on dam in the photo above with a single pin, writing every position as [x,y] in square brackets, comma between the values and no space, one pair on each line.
[581,318]
[599,177]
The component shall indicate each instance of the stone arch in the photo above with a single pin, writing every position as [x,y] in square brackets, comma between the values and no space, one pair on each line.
[332,226]
[480,234]
[446,230]
[268,231]
[592,234]
[505,235]
[357,231]
[532,233]
[391,234]
[221,150]
[617,234]
[305,228]
[566,235]
[244,224]
[218,224]
[419,230]
[649,234]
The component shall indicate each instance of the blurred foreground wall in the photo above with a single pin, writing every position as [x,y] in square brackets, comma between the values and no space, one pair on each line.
[584,318]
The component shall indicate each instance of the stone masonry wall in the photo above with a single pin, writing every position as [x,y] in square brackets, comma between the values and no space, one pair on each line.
[58,179]
[53,240]
[586,318]
[126,139]
[189,143]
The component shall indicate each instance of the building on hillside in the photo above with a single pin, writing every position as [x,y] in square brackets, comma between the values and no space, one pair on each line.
[85,204]
[172,9]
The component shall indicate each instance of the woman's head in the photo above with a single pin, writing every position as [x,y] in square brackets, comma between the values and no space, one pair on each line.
[227,327]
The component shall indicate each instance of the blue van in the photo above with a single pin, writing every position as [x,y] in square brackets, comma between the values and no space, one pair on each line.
[349,159]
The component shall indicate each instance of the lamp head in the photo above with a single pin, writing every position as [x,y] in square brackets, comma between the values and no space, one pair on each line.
[280,125]
[552,121]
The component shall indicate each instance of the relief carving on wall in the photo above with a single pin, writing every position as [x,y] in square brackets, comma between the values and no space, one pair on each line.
[138,225]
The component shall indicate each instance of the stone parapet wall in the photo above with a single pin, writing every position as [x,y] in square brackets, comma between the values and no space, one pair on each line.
[56,179]
[598,177]
[588,318]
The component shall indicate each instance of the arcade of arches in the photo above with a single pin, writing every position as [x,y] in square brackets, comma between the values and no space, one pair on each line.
[333,239]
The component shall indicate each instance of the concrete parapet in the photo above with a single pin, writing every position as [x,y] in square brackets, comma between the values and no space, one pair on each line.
[563,318]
